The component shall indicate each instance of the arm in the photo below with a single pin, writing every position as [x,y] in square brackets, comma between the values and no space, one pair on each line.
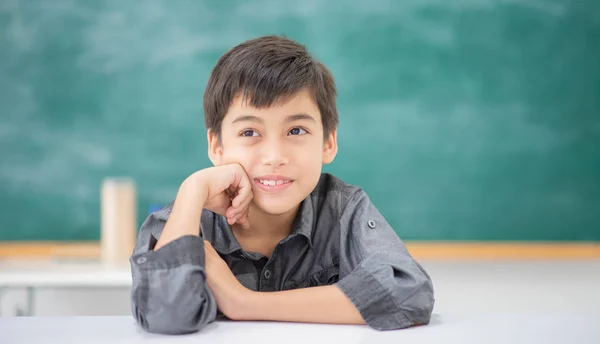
[326,304]
[381,284]
[377,273]
[185,216]
[169,292]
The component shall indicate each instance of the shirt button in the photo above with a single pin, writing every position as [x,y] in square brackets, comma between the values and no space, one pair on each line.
[268,274]
[371,224]
[142,260]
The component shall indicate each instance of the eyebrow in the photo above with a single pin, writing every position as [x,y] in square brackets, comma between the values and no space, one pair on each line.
[247,118]
[300,117]
[290,118]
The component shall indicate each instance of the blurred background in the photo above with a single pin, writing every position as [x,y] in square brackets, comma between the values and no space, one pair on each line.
[469,120]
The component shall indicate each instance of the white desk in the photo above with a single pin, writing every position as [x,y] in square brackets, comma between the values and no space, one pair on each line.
[33,275]
[490,329]
[468,287]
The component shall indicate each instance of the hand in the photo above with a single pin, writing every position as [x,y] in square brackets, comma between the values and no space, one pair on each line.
[227,290]
[229,192]
[225,190]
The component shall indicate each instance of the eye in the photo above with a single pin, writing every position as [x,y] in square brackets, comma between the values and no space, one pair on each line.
[298,131]
[249,133]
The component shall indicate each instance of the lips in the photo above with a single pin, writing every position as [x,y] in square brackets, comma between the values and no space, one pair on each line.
[273,183]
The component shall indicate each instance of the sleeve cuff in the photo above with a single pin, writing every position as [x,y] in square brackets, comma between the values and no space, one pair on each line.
[188,249]
[373,301]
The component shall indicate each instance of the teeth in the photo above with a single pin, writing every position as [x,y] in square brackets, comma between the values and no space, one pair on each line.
[273,182]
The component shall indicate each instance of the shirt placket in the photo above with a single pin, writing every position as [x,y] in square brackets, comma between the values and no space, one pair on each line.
[267,275]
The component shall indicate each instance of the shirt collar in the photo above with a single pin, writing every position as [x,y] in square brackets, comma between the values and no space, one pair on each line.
[304,222]
[225,241]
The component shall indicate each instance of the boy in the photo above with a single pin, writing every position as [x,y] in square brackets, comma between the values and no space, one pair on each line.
[264,235]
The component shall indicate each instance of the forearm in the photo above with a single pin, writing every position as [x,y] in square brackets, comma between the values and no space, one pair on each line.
[326,304]
[187,209]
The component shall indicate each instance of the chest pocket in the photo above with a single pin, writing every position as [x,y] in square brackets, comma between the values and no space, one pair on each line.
[323,277]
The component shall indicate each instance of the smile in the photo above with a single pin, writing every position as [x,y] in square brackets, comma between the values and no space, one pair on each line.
[273,183]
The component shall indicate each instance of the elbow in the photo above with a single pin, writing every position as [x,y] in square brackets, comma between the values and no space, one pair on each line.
[390,302]
[416,304]
[410,306]
[169,294]
[424,303]
[150,323]
[169,318]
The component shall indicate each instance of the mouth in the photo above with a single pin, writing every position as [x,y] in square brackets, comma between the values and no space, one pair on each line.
[273,183]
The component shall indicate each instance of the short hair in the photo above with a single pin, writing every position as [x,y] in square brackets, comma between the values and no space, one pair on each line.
[265,71]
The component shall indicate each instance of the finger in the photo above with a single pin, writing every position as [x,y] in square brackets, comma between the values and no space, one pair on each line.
[243,206]
[239,199]
[247,200]
[237,209]
[234,216]
[244,188]
[239,218]
[242,219]
[231,212]
[231,191]
[243,214]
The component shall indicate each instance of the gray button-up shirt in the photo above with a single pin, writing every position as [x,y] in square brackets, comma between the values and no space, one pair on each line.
[338,238]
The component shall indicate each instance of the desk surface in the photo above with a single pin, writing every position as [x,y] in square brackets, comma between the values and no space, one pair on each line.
[494,328]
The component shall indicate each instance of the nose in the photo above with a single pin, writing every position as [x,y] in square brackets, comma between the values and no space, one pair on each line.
[273,153]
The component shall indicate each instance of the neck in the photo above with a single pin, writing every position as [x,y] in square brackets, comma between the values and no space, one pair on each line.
[263,224]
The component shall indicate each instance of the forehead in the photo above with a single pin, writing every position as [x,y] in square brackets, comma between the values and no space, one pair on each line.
[299,102]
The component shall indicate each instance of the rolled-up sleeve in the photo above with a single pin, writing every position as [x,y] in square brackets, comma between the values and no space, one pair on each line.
[169,292]
[387,286]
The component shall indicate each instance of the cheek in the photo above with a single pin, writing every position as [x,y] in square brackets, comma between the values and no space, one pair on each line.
[310,155]
[239,155]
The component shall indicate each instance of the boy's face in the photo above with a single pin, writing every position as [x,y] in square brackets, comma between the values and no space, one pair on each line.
[281,148]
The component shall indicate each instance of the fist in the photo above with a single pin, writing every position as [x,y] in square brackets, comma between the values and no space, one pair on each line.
[229,192]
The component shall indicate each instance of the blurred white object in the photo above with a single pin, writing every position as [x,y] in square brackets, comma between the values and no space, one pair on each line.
[52,274]
[33,276]
[117,237]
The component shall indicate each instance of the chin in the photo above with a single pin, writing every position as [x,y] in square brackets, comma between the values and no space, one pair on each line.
[276,206]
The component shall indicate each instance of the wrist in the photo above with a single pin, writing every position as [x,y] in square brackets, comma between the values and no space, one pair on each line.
[185,215]
[195,186]
[246,305]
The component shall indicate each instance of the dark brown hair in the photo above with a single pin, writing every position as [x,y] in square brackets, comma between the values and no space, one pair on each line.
[265,71]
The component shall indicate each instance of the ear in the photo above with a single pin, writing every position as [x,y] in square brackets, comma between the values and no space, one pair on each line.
[330,148]
[215,151]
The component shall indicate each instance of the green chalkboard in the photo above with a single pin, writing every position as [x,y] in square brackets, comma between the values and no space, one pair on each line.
[464,120]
